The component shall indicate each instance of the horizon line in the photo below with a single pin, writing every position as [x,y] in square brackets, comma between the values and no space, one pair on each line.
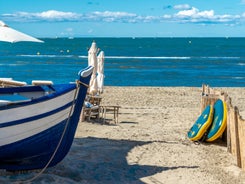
[135,37]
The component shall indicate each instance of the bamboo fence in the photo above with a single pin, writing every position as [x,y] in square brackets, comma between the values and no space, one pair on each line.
[235,131]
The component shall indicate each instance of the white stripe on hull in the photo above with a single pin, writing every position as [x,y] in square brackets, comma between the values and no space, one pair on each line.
[35,109]
[15,133]
[11,134]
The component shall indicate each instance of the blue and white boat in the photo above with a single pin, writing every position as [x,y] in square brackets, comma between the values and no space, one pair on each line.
[38,123]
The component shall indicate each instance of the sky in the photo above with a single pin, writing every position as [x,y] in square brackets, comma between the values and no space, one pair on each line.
[125,18]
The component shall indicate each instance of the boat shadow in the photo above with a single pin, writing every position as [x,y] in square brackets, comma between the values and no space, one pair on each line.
[102,160]
[95,160]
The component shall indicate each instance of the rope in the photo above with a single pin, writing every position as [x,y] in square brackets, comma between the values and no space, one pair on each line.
[80,82]
[59,143]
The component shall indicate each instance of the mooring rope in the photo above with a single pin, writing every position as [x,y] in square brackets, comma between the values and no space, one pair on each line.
[61,138]
[80,82]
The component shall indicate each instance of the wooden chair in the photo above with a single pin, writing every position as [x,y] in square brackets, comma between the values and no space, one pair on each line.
[91,108]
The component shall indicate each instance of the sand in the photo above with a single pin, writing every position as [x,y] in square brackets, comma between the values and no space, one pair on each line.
[148,145]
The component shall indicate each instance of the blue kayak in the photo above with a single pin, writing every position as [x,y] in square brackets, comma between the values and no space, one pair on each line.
[202,124]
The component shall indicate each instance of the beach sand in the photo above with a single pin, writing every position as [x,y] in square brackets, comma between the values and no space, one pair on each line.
[148,145]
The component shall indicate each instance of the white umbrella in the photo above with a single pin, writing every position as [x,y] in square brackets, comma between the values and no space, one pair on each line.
[100,71]
[8,34]
[92,61]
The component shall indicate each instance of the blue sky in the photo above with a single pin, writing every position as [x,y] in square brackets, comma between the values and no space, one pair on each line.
[126,18]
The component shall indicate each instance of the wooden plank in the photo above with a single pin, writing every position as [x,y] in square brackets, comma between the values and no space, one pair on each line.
[235,123]
[241,138]
[237,139]
[6,82]
[229,123]
[41,82]
[207,100]
[230,129]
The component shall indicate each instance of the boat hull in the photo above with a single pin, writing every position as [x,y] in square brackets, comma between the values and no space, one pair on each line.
[39,133]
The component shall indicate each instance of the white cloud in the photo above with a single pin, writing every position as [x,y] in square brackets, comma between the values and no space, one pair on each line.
[53,14]
[194,12]
[194,15]
[114,14]
[186,14]
[109,16]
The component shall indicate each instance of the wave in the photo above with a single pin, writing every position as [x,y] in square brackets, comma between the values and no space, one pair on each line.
[139,57]
[147,57]
[241,64]
[143,57]
[11,64]
[221,57]
[50,56]
[238,78]
[169,57]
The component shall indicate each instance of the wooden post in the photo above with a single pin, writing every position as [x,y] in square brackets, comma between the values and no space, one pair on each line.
[235,123]
[232,125]
[241,138]
[207,100]
[229,127]
[229,123]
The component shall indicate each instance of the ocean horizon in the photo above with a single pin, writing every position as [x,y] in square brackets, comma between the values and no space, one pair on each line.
[136,61]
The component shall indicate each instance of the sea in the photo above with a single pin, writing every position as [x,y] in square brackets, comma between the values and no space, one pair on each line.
[218,62]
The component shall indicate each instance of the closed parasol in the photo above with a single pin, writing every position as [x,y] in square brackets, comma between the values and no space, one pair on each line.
[100,71]
[92,61]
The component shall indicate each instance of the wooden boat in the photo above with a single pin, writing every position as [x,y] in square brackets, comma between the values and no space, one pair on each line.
[38,123]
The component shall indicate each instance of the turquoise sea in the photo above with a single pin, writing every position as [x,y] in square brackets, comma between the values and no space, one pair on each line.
[130,61]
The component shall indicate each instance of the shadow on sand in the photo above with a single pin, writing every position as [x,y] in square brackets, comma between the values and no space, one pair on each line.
[95,161]
[101,160]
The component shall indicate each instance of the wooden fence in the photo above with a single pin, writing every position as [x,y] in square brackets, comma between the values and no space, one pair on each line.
[235,131]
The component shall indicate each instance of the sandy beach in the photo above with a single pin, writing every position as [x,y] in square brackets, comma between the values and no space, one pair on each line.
[148,145]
